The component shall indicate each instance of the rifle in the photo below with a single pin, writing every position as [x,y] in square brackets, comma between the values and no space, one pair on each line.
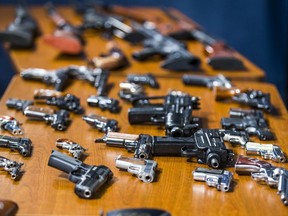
[88,178]
[66,38]
[206,145]
[175,113]
[21,33]
[250,97]
[175,54]
[22,145]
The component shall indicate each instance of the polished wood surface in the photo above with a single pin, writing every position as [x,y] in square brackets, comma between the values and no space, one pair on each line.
[95,46]
[45,190]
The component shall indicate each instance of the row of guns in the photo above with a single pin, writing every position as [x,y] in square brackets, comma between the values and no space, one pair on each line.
[158,37]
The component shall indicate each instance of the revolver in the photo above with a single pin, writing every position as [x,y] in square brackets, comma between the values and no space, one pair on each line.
[11,124]
[143,169]
[267,151]
[51,97]
[221,179]
[251,121]
[101,123]
[21,33]
[145,79]
[72,147]
[18,104]
[130,91]
[22,145]
[104,103]
[88,178]
[208,81]
[253,98]
[58,120]
[13,167]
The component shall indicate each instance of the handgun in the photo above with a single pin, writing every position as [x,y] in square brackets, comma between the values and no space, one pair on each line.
[253,98]
[143,79]
[145,170]
[72,147]
[58,120]
[89,179]
[104,103]
[63,101]
[101,123]
[208,81]
[22,145]
[251,121]
[18,104]
[22,32]
[10,124]
[13,167]
[130,91]
[221,179]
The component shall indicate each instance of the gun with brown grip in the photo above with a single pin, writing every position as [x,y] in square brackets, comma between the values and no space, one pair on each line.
[113,60]
[8,208]
[250,97]
[66,38]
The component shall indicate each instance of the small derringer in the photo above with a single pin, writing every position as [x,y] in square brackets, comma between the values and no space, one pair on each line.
[22,145]
[73,148]
[58,120]
[221,179]
[143,169]
[10,124]
[104,103]
[130,91]
[18,104]
[208,81]
[13,167]
[51,97]
[145,79]
[267,151]
[101,123]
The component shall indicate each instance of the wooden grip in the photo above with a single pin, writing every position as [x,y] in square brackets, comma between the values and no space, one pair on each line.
[8,208]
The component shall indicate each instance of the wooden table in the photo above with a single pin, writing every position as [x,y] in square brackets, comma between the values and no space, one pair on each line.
[43,190]
[95,46]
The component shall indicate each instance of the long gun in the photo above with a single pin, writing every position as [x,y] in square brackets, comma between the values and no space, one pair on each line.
[22,32]
[89,179]
[207,146]
[66,38]
[251,121]
[13,167]
[22,145]
[175,113]
[175,54]
[253,98]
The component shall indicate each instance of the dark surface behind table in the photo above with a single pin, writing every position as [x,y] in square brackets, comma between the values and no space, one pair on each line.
[257,29]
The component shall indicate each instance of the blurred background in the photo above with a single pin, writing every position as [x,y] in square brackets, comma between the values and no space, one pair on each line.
[258,29]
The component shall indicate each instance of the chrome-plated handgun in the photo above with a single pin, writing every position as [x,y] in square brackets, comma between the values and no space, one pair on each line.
[130,91]
[221,179]
[101,123]
[13,167]
[10,124]
[73,148]
[145,170]
[267,151]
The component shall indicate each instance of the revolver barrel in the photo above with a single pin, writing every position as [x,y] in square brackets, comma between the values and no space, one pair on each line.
[143,169]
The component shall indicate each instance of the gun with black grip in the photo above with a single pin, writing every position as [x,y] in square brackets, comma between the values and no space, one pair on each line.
[104,103]
[18,104]
[22,145]
[101,123]
[21,33]
[177,57]
[13,167]
[175,113]
[251,97]
[207,149]
[264,172]
[58,120]
[251,121]
[208,81]
[89,179]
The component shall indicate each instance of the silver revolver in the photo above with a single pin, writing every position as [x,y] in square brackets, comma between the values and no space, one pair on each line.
[73,148]
[221,179]
[11,124]
[267,151]
[144,169]
[101,123]
[13,167]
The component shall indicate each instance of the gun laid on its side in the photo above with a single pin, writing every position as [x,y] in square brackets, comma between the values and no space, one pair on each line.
[101,123]
[175,113]
[73,148]
[13,167]
[22,145]
[88,178]
[208,81]
[11,124]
